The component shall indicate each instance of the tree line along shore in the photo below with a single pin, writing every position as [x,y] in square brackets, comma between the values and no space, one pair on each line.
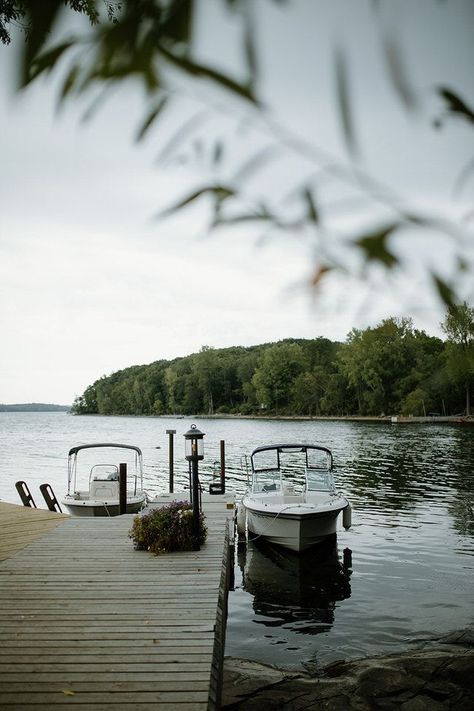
[391,368]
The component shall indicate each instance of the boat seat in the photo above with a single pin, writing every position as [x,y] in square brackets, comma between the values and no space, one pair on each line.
[104,490]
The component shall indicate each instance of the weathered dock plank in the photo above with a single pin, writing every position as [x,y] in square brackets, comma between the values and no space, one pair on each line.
[19,526]
[86,620]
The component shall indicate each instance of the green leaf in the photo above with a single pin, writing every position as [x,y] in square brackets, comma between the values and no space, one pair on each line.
[444,290]
[313,214]
[177,23]
[399,74]
[220,192]
[148,122]
[69,82]
[45,62]
[375,247]
[246,217]
[195,69]
[343,97]
[41,19]
[456,105]
[250,45]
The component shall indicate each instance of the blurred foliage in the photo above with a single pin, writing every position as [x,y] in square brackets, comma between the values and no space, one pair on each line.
[151,40]
[388,369]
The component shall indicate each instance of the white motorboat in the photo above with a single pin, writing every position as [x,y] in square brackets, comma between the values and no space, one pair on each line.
[94,479]
[292,501]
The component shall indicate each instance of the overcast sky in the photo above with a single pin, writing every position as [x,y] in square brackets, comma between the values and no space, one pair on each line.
[90,283]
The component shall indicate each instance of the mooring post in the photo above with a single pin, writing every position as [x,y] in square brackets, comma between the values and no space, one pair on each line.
[171,434]
[222,466]
[123,488]
[196,508]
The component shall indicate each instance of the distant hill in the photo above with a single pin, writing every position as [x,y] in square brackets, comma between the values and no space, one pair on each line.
[34,407]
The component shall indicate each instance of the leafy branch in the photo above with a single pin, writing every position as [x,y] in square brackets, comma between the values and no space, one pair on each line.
[150,40]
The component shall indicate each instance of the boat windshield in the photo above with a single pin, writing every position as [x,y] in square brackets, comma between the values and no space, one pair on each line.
[273,465]
[104,472]
[319,480]
[267,481]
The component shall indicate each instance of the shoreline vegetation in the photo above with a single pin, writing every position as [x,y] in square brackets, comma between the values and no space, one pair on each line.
[376,419]
[391,368]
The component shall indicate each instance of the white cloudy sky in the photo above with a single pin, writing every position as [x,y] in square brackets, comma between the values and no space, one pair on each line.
[91,284]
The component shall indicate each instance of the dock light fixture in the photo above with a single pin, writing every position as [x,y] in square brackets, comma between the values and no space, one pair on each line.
[194,444]
[194,452]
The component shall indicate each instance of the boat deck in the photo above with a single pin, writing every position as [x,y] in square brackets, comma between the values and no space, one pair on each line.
[85,619]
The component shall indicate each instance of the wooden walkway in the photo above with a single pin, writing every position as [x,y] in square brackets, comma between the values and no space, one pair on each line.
[19,526]
[87,620]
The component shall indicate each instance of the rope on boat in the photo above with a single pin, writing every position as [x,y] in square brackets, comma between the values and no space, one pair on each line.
[260,535]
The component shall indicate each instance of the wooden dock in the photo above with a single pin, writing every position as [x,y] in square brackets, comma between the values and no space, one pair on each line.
[19,526]
[87,620]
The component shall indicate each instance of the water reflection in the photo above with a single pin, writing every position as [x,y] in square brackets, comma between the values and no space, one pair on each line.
[462,511]
[298,591]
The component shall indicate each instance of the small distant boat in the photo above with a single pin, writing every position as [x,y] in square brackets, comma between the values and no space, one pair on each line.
[284,513]
[93,479]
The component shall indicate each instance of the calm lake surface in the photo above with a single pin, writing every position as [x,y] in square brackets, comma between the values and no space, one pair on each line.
[402,574]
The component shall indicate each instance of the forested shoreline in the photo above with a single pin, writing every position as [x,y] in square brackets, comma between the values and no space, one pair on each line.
[391,368]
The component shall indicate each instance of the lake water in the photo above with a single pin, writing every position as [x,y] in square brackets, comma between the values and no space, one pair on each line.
[402,574]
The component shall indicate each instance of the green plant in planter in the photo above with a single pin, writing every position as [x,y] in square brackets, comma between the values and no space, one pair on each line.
[169,528]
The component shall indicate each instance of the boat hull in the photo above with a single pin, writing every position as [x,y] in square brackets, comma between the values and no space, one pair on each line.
[90,508]
[291,530]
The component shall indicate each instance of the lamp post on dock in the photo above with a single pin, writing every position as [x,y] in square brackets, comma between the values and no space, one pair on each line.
[194,452]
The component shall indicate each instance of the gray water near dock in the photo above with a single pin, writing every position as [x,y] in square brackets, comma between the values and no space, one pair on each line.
[402,574]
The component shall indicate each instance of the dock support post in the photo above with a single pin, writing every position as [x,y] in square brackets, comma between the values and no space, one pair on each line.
[171,434]
[222,466]
[123,488]
[196,511]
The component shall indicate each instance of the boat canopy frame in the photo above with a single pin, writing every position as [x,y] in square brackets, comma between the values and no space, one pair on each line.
[74,451]
[289,448]
[318,477]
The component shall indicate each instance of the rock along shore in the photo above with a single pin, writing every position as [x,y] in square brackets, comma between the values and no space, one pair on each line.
[438,676]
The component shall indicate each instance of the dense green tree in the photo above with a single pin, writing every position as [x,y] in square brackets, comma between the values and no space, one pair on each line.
[390,368]
[374,360]
[308,389]
[276,373]
[207,372]
[459,328]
